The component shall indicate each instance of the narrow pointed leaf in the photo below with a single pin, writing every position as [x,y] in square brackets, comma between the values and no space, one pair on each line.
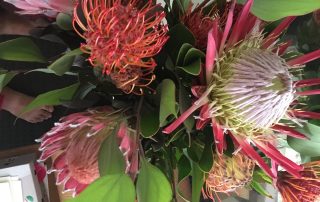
[5,78]
[168,101]
[21,49]
[64,63]
[55,97]
[197,182]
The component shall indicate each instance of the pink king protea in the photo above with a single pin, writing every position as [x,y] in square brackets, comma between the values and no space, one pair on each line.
[249,88]
[45,7]
[74,145]
[121,38]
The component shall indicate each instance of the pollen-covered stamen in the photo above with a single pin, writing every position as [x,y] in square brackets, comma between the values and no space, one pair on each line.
[258,90]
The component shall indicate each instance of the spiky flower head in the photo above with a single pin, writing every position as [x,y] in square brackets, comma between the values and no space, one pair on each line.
[303,189]
[229,173]
[122,37]
[199,22]
[250,87]
[74,145]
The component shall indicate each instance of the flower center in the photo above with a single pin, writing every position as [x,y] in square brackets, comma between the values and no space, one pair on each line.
[252,91]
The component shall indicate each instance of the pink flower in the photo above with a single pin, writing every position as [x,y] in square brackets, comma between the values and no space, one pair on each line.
[249,88]
[74,145]
[45,7]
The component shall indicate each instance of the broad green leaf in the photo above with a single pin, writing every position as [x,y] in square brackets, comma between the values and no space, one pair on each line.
[149,123]
[5,78]
[271,10]
[182,53]
[206,160]
[192,55]
[184,170]
[193,68]
[64,63]
[184,103]
[64,21]
[55,97]
[304,147]
[197,182]
[183,4]
[307,147]
[109,188]
[258,188]
[21,49]
[179,34]
[110,157]
[152,184]
[168,101]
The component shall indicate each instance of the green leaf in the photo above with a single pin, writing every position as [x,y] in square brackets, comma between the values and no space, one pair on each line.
[64,63]
[179,34]
[307,147]
[55,97]
[110,157]
[5,78]
[168,101]
[260,176]
[64,21]
[206,160]
[197,182]
[184,170]
[182,53]
[152,184]
[110,188]
[304,147]
[193,68]
[183,4]
[184,103]
[192,55]
[271,10]
[258,188]
[21,49]
[149,123]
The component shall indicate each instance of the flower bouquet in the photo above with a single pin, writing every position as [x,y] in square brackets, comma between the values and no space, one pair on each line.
[195,97]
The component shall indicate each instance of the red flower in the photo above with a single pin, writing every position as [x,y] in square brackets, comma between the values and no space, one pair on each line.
[74,145]
[249,88]
[122,36]
[303,189]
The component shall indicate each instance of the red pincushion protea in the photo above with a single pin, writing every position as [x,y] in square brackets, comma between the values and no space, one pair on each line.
[249,88]
[303,189]
[199,23]
[122,35]
[74,144]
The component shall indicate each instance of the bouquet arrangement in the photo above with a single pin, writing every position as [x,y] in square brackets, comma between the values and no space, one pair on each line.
[194,97]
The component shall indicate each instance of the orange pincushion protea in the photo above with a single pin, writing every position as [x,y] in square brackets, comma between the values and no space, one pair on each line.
[304,189]
[229,173]
[122,35]
[75,141]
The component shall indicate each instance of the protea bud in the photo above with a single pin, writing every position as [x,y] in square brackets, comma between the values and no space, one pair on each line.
[229,173]
[75,141]
[303,189]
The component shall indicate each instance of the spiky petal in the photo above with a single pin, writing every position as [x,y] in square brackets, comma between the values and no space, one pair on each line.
[74,145]
[303,189]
